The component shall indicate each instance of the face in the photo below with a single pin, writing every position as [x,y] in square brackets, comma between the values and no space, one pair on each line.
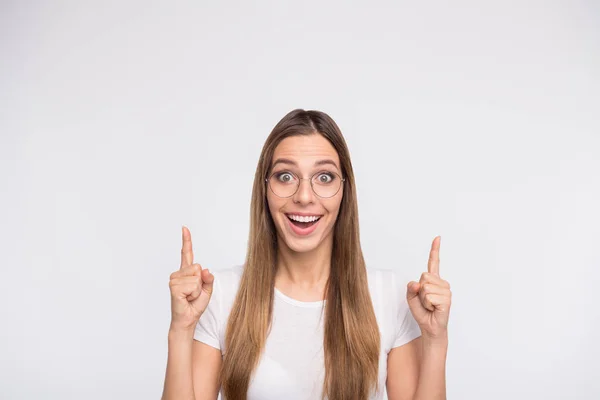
[305,156]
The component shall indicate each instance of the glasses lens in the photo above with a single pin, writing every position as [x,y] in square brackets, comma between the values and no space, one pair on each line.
[283,184]
[326,184]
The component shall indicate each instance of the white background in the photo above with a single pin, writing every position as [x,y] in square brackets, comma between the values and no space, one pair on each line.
[122,121]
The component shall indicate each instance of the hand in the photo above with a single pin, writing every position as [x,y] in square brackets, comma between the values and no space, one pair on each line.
[430,298]
[191,288]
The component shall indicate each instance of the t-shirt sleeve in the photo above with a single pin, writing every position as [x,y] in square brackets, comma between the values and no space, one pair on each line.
[207,328]
[407,327]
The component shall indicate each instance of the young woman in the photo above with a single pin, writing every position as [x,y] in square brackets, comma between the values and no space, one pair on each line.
[303,318]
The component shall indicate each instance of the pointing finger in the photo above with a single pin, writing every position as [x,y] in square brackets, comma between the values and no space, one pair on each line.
[433,265]
[187,255]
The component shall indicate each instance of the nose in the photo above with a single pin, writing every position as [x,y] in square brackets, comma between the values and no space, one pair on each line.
[304,194]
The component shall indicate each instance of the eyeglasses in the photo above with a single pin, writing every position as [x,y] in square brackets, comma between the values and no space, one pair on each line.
[324,184]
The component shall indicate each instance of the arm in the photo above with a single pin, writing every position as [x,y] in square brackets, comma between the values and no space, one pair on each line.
[417,370]
[192,368]
[178,377]
[206,368]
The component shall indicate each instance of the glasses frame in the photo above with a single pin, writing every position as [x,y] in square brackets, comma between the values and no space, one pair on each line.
[342,180]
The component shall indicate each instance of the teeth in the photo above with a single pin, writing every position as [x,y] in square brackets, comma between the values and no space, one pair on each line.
[303,219]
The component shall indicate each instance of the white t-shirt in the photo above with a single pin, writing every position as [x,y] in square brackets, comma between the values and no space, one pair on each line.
[292,365]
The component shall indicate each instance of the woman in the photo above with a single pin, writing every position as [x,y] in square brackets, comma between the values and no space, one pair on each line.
[304,318]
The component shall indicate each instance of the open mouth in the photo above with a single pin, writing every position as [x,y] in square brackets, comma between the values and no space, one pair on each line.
[303,222]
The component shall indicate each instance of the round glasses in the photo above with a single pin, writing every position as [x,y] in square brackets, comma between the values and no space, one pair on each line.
[324,184]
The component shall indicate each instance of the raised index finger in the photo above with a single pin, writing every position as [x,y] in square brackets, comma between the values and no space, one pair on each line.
[433,265]
[187,255]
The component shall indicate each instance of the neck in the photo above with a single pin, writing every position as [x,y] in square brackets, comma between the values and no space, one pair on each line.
[307,271]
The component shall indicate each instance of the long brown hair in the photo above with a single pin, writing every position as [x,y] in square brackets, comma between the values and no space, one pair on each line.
[351,340]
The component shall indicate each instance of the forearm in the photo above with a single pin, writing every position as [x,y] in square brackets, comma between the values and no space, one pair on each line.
[432,373]
[178,378]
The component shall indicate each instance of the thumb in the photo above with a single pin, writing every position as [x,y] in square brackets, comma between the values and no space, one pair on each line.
[412,290]
[414,302]
[207,281]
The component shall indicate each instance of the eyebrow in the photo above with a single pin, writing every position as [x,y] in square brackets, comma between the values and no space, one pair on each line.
[291,162]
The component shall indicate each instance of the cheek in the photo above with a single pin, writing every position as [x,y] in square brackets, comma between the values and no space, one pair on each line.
[275,204]
[333,207]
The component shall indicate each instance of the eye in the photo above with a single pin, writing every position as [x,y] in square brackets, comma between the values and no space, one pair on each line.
[284,177]
[325,177]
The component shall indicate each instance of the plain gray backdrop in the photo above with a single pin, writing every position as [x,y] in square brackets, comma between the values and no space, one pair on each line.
[121,121]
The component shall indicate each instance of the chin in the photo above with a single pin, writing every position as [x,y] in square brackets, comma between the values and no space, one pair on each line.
[301,246]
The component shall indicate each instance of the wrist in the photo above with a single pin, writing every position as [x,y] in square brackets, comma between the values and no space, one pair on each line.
[440,340]
[176,332]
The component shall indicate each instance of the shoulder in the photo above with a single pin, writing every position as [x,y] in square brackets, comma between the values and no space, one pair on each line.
[385,281]
[227,280]
[225,288]
[212,324]
[387,288]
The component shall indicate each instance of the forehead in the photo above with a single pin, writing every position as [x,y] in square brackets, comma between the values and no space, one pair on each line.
[305,150]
